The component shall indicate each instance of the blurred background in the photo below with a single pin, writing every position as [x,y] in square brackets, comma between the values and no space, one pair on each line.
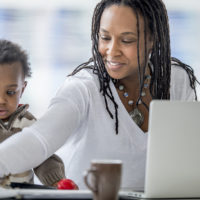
[56,35]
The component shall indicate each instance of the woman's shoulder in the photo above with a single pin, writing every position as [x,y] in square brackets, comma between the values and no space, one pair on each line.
[83,77]
[180,82]
[183,73]
[84,74]
[177,70]
[84,82]
[180,68]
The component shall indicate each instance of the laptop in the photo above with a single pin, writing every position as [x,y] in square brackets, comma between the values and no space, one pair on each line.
[173,151]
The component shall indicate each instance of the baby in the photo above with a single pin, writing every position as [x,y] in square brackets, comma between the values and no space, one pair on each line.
[14,68]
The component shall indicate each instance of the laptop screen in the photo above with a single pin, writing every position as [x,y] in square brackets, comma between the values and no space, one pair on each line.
[173,161]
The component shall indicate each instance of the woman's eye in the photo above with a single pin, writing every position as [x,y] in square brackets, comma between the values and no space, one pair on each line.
[128,41]
[104,38]
[11,92]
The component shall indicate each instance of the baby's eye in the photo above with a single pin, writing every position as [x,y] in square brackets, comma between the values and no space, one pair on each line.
[9,92]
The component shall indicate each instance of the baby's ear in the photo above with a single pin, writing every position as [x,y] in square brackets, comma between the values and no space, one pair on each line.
[24,86]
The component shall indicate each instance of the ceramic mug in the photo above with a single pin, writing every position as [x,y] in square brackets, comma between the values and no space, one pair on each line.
[104,178]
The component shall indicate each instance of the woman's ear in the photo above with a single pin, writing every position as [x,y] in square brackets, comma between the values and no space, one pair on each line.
[150,44]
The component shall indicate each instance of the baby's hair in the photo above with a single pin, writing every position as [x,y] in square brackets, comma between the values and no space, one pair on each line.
[156,22]
[11,52]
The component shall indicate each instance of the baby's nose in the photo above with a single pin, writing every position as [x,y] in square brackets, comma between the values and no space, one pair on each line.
[2,99]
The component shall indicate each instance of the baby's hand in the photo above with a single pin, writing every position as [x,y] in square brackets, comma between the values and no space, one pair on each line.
[5,181]
[55,184]
[67,184]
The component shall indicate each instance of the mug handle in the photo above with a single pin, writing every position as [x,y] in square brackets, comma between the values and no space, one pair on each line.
[86,175]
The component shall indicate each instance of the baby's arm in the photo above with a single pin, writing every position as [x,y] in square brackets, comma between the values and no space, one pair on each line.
[50,171]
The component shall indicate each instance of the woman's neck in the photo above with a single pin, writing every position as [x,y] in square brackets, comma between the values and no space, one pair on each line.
[133,82]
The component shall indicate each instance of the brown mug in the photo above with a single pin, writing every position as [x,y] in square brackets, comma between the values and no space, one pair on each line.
[105,179]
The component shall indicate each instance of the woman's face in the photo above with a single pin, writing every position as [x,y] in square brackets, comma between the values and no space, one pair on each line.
[118,41]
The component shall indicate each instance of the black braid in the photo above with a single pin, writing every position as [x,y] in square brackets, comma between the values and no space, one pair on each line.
[156,21]
[141,75]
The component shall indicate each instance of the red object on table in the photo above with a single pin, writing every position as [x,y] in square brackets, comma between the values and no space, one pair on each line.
[66,184]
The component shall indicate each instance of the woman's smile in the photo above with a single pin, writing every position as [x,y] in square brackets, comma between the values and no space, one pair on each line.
[114,66]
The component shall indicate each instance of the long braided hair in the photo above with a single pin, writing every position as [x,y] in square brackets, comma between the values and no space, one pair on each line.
[156,21]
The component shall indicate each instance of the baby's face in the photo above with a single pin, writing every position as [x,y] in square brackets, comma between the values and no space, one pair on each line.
[12,85]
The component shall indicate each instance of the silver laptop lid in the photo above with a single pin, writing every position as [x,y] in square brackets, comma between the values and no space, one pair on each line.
[173,155]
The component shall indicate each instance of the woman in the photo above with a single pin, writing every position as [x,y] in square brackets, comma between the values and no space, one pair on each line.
[101,111]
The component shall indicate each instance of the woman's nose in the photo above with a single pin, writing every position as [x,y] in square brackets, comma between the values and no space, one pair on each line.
[114,49]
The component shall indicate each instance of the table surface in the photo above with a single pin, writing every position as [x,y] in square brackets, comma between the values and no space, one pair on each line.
[58,194]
